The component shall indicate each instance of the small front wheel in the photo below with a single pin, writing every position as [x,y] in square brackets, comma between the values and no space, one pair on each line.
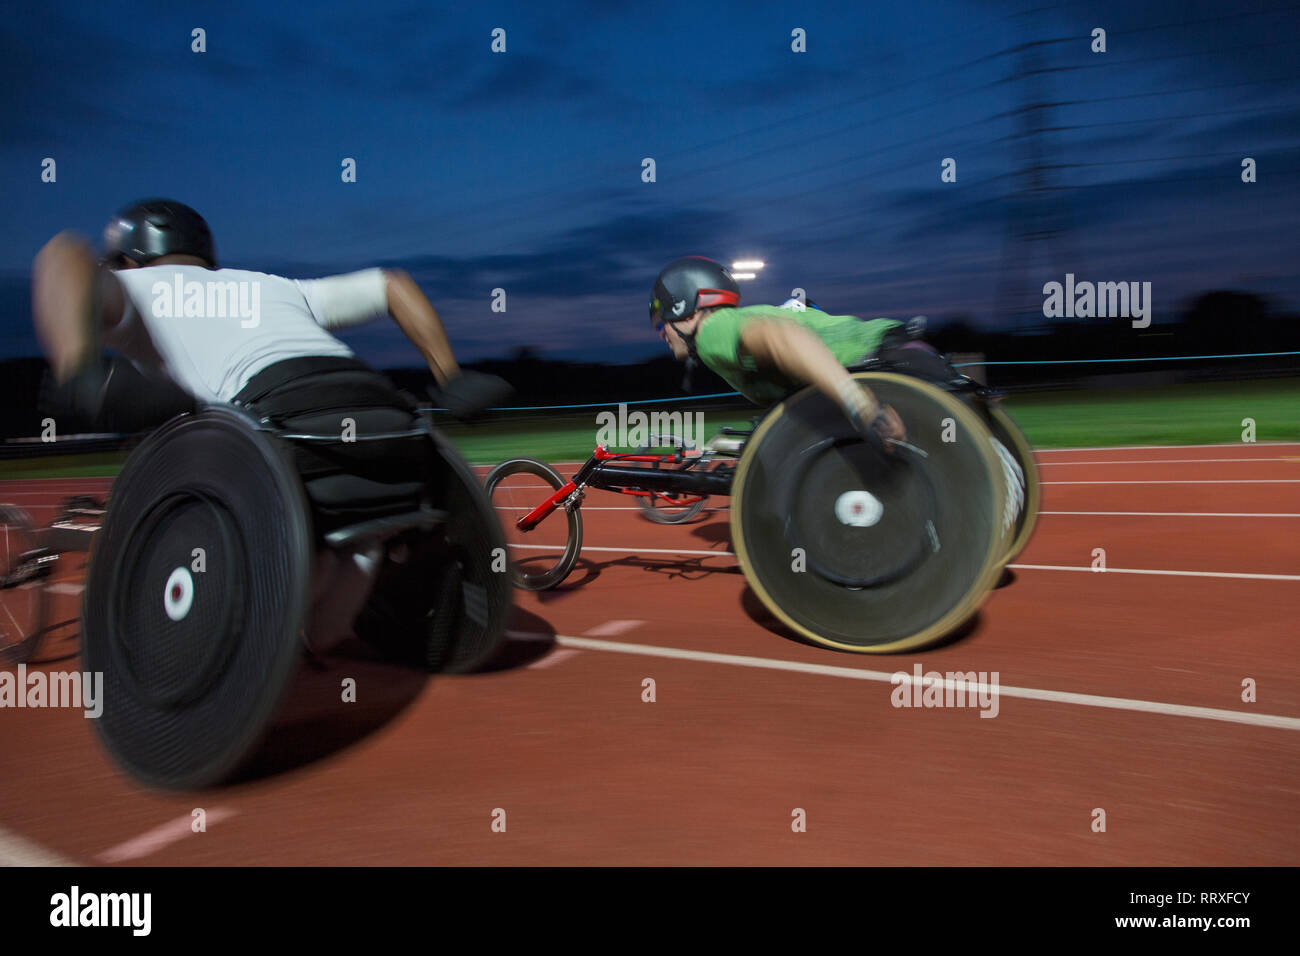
[670,507]
[667,507]
[543,557]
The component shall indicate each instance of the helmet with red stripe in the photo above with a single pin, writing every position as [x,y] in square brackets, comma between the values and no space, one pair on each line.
[689,284]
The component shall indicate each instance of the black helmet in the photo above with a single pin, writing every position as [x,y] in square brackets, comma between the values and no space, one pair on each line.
[152,228]
[689,284]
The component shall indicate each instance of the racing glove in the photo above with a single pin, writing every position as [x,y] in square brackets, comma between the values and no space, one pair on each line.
[471,393]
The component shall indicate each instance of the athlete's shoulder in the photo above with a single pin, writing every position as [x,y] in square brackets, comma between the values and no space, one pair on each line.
[192,273]
[739,315]
[763,310]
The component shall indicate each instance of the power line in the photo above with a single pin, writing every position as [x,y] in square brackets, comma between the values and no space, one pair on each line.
[514,217]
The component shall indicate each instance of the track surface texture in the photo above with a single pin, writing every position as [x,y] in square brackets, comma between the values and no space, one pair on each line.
[1121,691]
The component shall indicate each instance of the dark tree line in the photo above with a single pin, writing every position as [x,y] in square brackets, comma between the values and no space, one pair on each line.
[1216,322]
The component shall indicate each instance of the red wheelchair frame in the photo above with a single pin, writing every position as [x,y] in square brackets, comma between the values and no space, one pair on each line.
[680,481]
[686,487]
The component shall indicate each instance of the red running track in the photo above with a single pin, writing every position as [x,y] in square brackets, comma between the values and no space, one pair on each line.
[1120,691]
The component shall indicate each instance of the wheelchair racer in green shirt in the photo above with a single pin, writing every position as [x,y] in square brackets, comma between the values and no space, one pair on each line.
[765,352]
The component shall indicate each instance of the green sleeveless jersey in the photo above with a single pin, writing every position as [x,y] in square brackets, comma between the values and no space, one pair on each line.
[717,341]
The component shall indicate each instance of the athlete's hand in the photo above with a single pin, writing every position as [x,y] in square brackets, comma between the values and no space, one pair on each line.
[868,415]
[888,425]
[471,393]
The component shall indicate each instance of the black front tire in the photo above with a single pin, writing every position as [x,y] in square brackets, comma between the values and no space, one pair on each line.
[556,572]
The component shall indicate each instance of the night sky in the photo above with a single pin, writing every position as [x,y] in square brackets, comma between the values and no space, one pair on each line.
[522,170]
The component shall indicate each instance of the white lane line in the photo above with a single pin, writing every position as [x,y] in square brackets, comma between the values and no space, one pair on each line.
[1158,461]
[1037,452]
[71,481]
[527,508]
[712,554]
[1179,514]
[64,587]
[613,628]
[608,629]
[1128,514]
[1223,445]
[553,658]
[1183,574]
[160,836]
[1018,567]
[854,673]
[53,494]
[17,850]
[1186,481]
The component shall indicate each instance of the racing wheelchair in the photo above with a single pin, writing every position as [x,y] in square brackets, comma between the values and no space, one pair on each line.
[29,559]
[853,543]
[200,583]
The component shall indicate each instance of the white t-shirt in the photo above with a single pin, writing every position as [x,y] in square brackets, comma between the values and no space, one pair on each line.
[211,330]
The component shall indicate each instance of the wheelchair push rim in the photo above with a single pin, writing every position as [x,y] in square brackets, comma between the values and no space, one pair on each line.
[1006,431]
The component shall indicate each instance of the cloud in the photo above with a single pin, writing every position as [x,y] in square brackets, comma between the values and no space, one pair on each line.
[513,79]
[67,82]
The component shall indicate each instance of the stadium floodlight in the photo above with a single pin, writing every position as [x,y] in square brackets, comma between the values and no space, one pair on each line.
[744,275]
[747,265]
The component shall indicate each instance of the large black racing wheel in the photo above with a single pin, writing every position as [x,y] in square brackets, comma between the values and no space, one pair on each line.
[864,549]
[445,605]
[195,599]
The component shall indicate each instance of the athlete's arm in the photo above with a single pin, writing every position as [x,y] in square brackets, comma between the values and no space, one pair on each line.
[359,297]
[68,315]
[417,317]
[351,299]
[801,355]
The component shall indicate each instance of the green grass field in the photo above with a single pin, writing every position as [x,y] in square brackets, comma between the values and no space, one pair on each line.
[1168,415]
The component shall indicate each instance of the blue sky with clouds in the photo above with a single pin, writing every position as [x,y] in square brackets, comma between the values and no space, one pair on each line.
[522,170]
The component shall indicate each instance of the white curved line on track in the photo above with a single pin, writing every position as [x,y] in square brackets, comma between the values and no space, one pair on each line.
[160,836]
[17,850]
[853,673]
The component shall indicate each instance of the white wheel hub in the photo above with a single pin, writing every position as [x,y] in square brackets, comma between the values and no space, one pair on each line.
[858,509]
[178,595]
